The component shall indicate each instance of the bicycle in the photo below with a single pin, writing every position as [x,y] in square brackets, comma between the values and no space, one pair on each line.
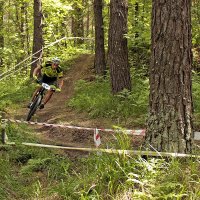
[37,100]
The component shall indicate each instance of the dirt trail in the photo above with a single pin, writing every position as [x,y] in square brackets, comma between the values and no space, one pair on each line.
[56,111]
[56,108]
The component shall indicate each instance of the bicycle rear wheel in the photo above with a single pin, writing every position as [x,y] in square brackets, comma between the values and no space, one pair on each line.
[34,107]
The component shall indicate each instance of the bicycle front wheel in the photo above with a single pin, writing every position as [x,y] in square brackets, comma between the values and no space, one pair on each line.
[34,107]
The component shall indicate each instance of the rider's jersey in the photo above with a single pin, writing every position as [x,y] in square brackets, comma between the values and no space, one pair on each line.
[50,72]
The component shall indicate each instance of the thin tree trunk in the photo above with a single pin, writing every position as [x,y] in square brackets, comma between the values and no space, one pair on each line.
[22,26]
[77,24]
[136,19]
[88,20]
[27,34]
[99,61]
[37,34]
[117,45]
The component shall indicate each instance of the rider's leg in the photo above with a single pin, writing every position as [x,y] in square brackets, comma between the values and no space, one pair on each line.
[35,92]
[47,97]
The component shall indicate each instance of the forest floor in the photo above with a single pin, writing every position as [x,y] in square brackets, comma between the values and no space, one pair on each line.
[57,111]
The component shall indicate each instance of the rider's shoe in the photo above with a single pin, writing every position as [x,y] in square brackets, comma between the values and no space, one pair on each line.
[41,106]
[29,105]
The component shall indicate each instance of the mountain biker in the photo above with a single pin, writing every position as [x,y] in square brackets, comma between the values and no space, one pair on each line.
[52,74]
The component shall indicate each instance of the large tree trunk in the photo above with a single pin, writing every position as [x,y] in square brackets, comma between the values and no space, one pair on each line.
[117,45]
[169,126]
[37,34]
[99,61]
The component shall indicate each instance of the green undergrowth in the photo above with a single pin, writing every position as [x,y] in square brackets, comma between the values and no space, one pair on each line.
[196,99]
[40,173]
[14,91]
[128,108]
[96,99]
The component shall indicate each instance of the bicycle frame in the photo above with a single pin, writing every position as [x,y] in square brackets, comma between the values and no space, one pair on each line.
[37,100]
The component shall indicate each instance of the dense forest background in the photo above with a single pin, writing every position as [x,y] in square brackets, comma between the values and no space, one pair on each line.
[60,18]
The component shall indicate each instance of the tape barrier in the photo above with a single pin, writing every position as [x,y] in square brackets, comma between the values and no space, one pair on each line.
[97,143]
[112,151]
[128,132]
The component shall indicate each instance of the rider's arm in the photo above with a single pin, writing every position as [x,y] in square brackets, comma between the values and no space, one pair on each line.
[37,71]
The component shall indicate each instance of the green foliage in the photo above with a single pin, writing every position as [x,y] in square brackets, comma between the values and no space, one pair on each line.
[96,99]
[14,89]
[195,22]
[24,169]
[138,23]
[196,99]
[117,176]
[41,173]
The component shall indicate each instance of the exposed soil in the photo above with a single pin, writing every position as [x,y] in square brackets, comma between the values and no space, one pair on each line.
[57,111]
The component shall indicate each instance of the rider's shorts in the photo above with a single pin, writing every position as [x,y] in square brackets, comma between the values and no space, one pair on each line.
[49,80]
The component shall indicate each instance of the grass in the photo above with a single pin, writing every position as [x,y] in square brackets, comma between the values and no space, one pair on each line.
[29,173]
[96,99]
[127,108]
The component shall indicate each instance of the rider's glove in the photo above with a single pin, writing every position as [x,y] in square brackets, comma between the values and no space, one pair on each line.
[58,90]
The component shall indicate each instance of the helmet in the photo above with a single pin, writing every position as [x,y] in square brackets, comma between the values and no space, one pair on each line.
[56,60]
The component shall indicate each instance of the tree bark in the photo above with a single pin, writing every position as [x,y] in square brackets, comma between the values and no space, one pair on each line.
[117,46]
[169,125]
[99,61]
[37,34]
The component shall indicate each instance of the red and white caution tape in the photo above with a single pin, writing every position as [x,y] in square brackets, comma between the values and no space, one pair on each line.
[97,139]
[140,132]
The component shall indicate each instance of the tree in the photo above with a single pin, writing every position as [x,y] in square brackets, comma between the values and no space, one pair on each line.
[117,46]
[20,24]
[99,61]
[169,125]
[77,22]
[37,34]
[136,18]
